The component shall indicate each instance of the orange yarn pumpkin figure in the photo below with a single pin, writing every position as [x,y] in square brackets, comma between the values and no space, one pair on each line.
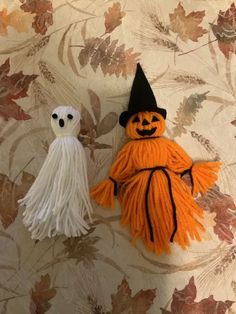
[155,201]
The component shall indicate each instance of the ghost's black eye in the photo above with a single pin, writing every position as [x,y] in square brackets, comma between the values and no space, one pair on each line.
[136,119]
[54,116]
[154,118]
[69,116]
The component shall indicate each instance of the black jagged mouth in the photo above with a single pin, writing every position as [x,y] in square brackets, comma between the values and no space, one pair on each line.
[146,132]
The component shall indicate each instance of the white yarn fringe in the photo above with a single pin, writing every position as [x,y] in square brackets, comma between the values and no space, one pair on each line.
[58,201]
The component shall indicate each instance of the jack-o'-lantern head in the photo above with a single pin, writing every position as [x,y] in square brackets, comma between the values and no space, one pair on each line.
[145,124]
[143,118]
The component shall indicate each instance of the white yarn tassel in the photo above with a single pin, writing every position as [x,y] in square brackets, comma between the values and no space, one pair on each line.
[58,200]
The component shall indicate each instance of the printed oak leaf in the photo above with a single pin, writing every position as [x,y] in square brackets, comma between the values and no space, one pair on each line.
[225,30]
[113,17]
[93,128]
[183,301]
[112,59]
[225,209]
[17,19]
[41,294]
[13,87]
[43,11]
[186,112]
[123,302]
[10,194]
[187,26]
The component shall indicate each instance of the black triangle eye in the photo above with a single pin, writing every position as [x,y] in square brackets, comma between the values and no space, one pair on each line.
[136,119]
[69,116]
[54,116]
[154,118]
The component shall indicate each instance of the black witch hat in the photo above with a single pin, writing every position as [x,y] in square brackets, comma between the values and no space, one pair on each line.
[141,98]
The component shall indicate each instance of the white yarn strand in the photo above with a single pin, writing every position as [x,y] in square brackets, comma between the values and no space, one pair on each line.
[58,201]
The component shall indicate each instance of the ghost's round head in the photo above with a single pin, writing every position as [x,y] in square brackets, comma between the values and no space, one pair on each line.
[65,121]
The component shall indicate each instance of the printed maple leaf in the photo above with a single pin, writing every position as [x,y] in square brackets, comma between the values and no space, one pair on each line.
[13,87]
[113,17]
[187,111]
[10,194]
[90,129]
[225,209]
[17,19]
[123,302]
[187,26]
[111,58]
[225,30]
[43,14]
[82,249]
[41,295]
[183,301]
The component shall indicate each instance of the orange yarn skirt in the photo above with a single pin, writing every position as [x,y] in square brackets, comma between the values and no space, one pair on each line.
[142,209]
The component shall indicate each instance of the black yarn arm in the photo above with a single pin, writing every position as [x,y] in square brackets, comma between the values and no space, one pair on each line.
[115,186]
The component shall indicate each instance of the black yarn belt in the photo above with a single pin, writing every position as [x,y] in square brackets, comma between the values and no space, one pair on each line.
[163,169]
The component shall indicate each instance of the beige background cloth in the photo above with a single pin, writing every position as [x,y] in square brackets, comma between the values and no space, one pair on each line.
[83,53]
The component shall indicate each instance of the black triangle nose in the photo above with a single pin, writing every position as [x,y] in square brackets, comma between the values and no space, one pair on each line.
[61,123]
[145,122]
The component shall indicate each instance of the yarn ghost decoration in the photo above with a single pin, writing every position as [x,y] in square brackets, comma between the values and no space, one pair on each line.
[58,200]
[156,204]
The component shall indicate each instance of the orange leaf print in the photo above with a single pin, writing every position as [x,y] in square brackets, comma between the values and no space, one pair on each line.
[113,17]
[41,294]
[187,26]
[17,19]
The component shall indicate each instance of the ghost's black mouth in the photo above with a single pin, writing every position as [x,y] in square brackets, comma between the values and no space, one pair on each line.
[61,123]
[146,132]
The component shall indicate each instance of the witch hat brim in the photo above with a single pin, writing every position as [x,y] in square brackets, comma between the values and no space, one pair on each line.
[125,115]
[141,98]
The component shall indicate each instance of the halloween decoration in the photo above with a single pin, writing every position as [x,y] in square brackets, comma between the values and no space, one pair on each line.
[58,200]
[147,176]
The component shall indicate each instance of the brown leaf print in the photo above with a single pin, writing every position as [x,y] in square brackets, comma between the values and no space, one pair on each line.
[82,249]
[187,26]
[107,124]
[41,295]
[233,122]
[225,30]
[225,209]
[183,301]
[186,112]
[112,59]
[13,87]
[9,196]
[91,130]
[17,19]
[113,17]
[95,104]
[43,14]
[123,302]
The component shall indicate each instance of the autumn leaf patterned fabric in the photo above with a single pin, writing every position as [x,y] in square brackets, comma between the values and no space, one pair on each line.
[84,53]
